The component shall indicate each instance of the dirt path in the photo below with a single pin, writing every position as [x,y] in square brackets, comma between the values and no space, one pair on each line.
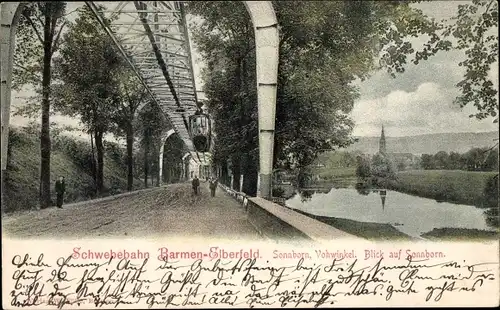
[163,212]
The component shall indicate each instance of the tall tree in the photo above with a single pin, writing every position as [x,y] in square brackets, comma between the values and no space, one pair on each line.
[150,126]
[324,47]
[89,68]
[39,32]
[132,95]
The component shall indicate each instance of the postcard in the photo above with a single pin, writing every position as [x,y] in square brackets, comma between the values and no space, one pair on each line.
[249,154]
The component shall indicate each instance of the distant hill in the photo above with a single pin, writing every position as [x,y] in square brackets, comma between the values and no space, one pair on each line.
[427,144]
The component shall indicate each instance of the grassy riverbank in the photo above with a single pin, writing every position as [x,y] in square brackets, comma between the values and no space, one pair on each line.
[376,231]
[460,234]
[71,158]
[370,231]
[457,186]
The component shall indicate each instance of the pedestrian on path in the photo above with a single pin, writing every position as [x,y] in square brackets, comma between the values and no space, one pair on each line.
[196,184]
[213,186]
[60,190]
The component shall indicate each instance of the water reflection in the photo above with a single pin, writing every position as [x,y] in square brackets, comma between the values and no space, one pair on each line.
[306,195]
[364,189]
[411,215]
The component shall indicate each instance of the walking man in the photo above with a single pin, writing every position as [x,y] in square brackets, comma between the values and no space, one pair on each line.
[196,184]
[60,190]
[213,186]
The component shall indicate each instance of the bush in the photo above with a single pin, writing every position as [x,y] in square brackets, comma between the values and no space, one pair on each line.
[382,167]
[363,170]
[491,193]
[70,157]
[278,192]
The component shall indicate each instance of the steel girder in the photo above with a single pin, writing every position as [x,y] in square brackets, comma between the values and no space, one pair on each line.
[153,37]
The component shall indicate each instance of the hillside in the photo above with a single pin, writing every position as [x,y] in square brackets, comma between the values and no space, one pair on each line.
[70,158]
[427,144]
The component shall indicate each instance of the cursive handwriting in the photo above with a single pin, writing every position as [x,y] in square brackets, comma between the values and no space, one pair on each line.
[249,282]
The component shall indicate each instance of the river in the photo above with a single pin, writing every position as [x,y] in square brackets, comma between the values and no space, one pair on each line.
[409,214]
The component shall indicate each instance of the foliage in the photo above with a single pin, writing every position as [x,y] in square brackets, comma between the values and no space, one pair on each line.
[324,46]
[131,94]
[30,40]
[382,166]
[70,157]
[151,126]
[363,188]
[34,58]
[491,192]
[363,169]
[476,159]
[278,192]
[474,30]
[88,68]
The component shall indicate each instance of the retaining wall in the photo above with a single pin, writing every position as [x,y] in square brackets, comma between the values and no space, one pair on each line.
[280,223]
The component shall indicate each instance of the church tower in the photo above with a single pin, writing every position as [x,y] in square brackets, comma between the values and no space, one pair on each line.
[382,146]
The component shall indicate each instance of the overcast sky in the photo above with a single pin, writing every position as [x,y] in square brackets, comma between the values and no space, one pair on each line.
[419,101]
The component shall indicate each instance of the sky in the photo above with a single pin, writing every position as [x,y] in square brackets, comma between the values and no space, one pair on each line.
[419,101]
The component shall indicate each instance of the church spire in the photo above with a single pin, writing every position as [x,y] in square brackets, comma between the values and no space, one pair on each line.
[382,146]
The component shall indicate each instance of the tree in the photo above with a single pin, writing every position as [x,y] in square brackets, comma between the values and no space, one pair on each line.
[491,161]
[428,162]
[455,161]
[324,46]
[474,159]
[442,160]
[382,167]
[132,93]
[363,169]
[151,126]
[473,30]
[39,31]
[89,68]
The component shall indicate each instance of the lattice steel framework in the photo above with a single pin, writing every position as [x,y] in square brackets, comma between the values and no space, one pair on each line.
[153,37]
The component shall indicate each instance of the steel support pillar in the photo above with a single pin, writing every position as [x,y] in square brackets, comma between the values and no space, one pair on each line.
[160,165]
[162,148]
[185,164]
[267,52]
[241,182]
[9,17]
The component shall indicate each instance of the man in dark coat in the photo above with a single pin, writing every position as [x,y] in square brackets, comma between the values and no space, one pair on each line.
[196,184]
[60,190]
[213,186]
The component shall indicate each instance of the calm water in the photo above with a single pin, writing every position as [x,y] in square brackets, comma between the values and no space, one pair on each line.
[410,214]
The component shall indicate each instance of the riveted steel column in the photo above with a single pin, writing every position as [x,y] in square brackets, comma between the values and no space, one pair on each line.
[267,52]
[162,148]
[9,16]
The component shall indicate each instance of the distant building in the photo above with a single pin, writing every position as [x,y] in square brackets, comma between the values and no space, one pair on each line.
[401,161]
[382,144]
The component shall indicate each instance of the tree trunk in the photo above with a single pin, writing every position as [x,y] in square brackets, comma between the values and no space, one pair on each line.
[157,171]
[93,166]
[130,159]
[146,162]
[236,173]
[45,131]
[100,161]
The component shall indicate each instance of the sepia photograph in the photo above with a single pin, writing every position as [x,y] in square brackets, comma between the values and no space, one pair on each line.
[325,131]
